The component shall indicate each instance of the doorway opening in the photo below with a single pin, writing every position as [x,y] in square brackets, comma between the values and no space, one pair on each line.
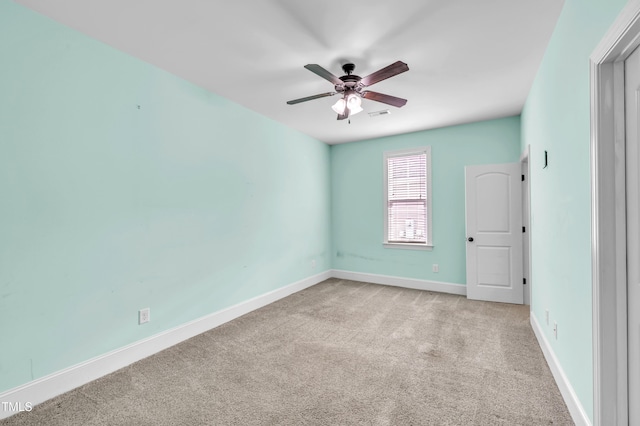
[526,226]
[609,219]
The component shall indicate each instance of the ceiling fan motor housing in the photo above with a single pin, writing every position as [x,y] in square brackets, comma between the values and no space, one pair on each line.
[350,82]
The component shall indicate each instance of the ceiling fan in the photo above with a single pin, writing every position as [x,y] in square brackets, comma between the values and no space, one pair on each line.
[351,87]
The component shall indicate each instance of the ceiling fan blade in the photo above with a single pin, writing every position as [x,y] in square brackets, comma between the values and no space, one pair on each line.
[310,98]
[317,69]
[384,73]
[345,115]
[385,99]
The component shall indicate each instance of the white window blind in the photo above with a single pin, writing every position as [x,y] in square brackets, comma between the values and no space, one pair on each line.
[407,198]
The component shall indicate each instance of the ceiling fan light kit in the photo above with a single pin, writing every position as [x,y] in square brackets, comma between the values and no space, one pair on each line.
[350,101]
[351,87]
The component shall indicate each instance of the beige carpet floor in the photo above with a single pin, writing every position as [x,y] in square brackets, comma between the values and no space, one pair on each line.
[338,353]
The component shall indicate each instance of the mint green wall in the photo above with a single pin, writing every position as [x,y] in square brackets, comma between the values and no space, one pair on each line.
[556,119]
[186,204]
[357,192]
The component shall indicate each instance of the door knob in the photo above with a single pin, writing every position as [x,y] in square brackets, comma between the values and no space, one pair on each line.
[470,239]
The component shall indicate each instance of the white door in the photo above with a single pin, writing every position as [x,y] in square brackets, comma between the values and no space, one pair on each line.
[494,232]
[632,97]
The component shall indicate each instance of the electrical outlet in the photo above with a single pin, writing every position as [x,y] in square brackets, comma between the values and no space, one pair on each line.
[144,315]
[435,268]
[313,264]
[555,330]
[546,315]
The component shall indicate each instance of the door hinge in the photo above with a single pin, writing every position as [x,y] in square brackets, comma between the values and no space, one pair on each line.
[524,229]
[524,281]
[522,178]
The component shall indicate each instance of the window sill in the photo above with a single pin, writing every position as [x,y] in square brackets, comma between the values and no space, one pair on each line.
[408,246]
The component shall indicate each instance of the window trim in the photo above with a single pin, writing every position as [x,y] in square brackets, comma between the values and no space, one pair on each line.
[401,153]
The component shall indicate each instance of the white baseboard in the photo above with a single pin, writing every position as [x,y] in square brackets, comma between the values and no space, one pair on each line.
[576,409]
[40,390]
[441,287]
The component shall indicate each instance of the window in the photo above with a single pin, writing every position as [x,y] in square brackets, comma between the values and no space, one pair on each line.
[407,189]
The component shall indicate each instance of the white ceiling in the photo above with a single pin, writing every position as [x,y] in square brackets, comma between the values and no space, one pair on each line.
[469,60]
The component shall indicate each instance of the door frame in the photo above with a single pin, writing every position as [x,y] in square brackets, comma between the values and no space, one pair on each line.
[608,218]
[526,222]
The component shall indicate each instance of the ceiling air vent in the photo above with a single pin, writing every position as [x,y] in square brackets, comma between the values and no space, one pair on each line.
[377,113]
